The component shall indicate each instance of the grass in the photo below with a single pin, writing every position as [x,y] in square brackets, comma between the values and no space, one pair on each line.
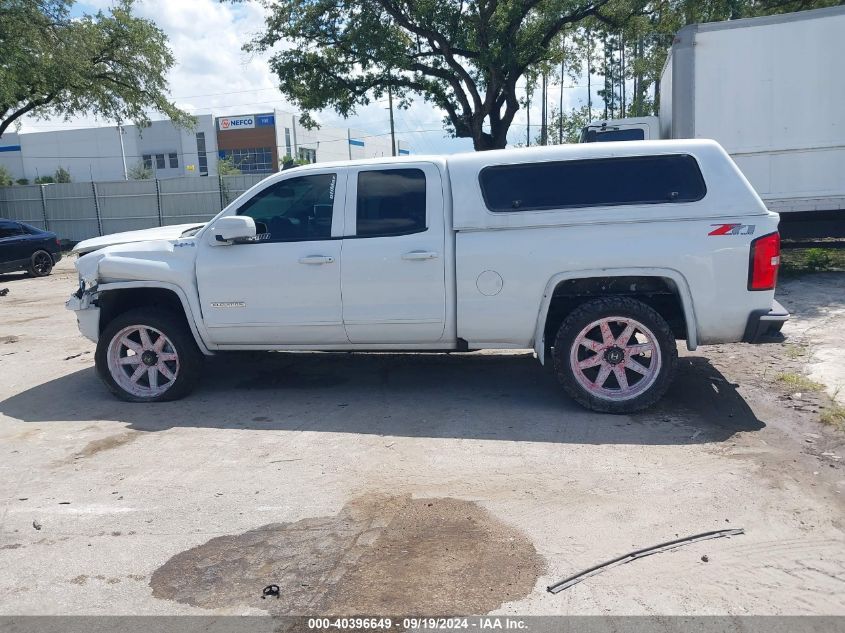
[797,382]
[799,261]
[834,415]
[795,351]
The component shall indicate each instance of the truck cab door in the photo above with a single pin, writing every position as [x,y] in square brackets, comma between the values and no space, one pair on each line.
[393,269]
[283,288]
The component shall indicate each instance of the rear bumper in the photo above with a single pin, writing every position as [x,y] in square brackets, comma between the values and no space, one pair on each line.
[764,325]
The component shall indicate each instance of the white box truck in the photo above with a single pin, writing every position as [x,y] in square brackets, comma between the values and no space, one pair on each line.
[771,91]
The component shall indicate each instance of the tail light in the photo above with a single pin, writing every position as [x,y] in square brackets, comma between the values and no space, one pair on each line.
[58,242]
[764,262]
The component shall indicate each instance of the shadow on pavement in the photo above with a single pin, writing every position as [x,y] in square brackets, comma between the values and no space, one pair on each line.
[483,396]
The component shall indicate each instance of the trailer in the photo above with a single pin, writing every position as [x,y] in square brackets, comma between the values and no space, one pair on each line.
[771,91]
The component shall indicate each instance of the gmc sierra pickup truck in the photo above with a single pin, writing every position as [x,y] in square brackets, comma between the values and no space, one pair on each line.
[599,257]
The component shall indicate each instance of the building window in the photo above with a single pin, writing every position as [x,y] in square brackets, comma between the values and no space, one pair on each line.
[390,202]
[635,180]
[159,161]
[148,161]
[288,151]
[174,160]
[258,160]
[202,157]
[308,155]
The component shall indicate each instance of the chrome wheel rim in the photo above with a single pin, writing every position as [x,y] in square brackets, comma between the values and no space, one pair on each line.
[42,263]
[615,358]
[143,361]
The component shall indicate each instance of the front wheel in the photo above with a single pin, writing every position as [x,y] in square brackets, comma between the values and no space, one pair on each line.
[147,355]
[615,355]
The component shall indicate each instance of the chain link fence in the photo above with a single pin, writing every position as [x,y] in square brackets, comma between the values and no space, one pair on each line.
[78,210]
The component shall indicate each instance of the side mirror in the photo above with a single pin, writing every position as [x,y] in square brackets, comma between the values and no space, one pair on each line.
[232,228]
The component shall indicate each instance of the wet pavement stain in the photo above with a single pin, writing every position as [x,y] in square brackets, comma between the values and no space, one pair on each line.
[387,555]
[105,444]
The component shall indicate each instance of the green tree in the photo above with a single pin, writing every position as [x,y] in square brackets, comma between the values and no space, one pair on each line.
[465,57]
[227,167]
[62,175]
[288,162]
[571,123]
[6,179]
[45,180]
[139,171]
[22,181]
[112,65]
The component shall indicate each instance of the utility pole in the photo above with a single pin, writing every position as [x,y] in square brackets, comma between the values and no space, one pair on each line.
[544,115]
[589,75]
[527,115]
[122,152]
[560,109]
[390,105]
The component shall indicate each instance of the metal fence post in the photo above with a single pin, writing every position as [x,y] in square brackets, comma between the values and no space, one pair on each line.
[44,207]
[97,208]
[220,187]
[158,203]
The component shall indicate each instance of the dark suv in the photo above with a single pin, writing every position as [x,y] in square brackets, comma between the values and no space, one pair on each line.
[23,247]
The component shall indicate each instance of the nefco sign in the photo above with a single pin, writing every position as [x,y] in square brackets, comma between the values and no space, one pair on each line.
[236,123]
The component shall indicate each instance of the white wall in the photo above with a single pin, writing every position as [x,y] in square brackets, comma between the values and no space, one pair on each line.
[11,160]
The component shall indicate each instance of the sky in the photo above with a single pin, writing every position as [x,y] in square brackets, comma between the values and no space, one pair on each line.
[212,75]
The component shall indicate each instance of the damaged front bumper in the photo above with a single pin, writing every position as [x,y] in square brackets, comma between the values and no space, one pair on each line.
[87,313]
[764,325]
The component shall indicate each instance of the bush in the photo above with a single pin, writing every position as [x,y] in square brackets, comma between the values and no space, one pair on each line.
[5,177]
[62,175]
[22,181]
[139,171]
[44,180]
[818,259]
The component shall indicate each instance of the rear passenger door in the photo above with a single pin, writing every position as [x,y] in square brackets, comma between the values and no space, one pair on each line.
[392,263]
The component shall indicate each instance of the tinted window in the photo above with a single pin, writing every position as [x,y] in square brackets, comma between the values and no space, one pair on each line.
[148,161]
[174,160]
[9,229]
[391,202]
[589,183]
[294,209]
[159,161]
[597,136]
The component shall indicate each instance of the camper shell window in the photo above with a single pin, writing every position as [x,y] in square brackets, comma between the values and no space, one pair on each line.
[635,180]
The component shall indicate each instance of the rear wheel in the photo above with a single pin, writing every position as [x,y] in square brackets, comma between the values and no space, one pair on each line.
[615,355]
[40,264]
[147,355]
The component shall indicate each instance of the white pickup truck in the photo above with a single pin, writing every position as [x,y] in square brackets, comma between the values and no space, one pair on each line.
[599,256]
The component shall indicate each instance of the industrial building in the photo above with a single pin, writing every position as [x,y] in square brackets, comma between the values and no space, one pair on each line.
[258,143]
[255,143]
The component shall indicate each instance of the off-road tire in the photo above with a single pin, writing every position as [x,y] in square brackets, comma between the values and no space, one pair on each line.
[175,328]
[625,307]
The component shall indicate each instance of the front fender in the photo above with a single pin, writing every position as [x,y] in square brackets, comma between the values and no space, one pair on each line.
[190,304]
[669,273]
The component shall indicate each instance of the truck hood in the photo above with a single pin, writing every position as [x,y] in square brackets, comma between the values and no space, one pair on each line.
[157,233]
[169,261]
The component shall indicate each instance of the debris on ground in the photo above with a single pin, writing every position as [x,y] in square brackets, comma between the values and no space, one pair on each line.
[648,551]
[36,524]
[4,292]
[270,590]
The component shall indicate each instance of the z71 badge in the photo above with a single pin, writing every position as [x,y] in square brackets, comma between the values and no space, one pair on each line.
[732,229]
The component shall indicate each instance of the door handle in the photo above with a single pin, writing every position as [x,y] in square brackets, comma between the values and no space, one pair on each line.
[316,259]
[417,255]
